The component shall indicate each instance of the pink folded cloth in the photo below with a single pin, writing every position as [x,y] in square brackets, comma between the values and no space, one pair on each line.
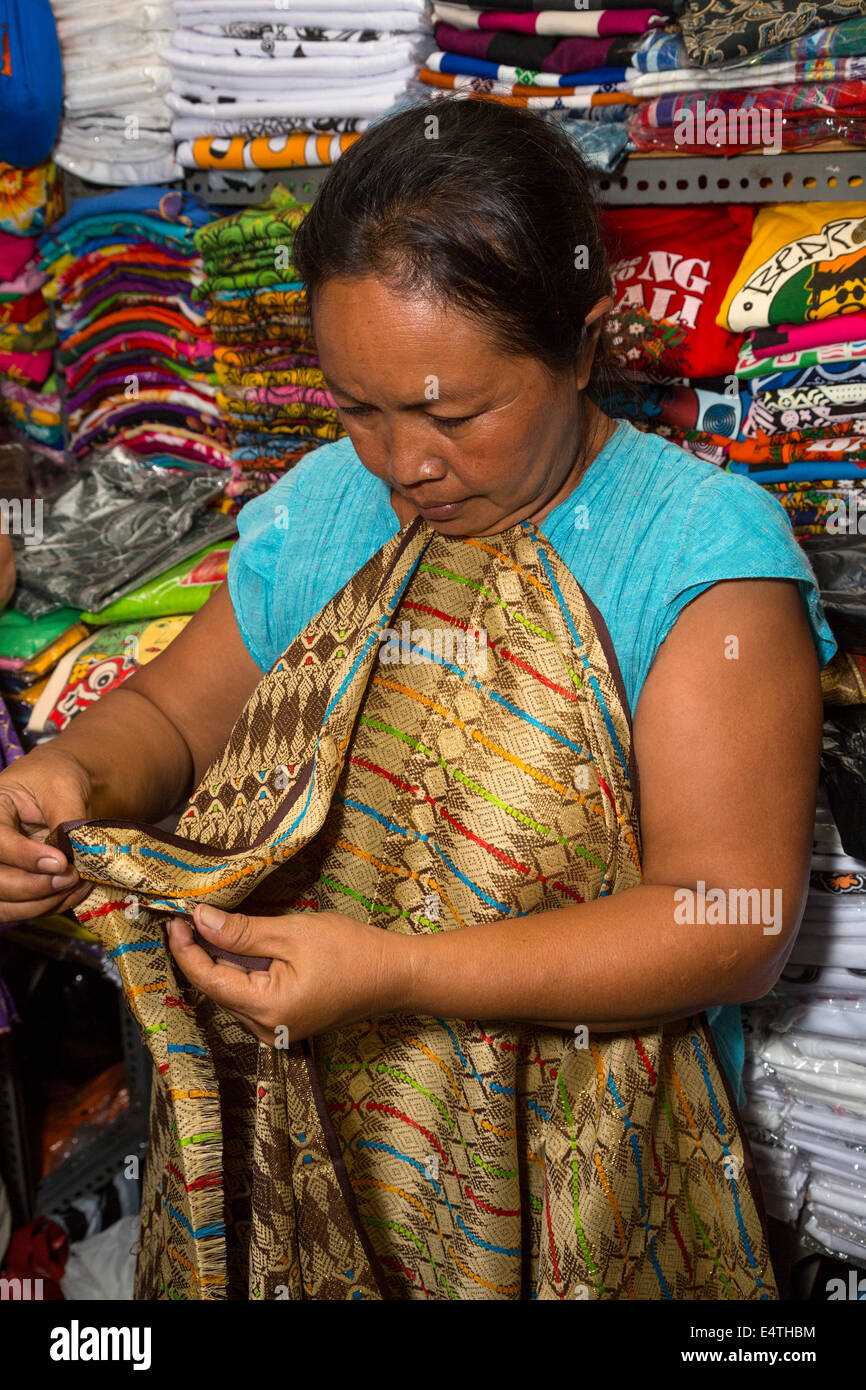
[15,252]
[26,366]
[793,337]
[588,24]
[26,282]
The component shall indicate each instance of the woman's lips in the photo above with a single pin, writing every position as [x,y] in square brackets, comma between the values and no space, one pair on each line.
[440,511]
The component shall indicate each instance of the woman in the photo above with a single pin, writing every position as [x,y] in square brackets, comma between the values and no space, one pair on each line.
[480,614]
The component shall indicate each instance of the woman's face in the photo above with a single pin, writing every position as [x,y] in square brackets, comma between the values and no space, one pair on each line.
[466,436]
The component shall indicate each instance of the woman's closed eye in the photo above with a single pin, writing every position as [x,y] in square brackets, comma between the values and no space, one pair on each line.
[447,421]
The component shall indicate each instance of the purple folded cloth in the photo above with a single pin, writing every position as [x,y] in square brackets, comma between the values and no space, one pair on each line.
[10,743]
[158,293]
[536,52]
[115,383]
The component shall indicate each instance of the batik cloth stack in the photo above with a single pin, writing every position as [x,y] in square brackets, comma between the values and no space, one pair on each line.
[136,354]
[116,125]
[255,86]
[795,94]
[805,1074]
[273,397]
[29,201]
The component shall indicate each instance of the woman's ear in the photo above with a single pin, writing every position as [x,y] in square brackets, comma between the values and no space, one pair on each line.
[603,306]
[593,329]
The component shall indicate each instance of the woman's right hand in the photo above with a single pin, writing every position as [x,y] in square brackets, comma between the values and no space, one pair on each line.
[37,793]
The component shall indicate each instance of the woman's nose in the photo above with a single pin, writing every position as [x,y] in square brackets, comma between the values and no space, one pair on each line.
[410,456]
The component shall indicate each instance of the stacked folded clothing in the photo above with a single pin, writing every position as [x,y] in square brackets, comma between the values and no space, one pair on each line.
[720,81]
[671,268]
[136,353]
[28,389]
[116,125]
[256,89]
[574,67]
[800,292]
[272,393]
[805,1074]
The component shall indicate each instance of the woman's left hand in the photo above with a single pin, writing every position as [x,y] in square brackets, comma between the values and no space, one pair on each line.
[326,970]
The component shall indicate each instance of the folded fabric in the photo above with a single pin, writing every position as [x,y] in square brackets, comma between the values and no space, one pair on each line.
[750,365]
[707,106]
[536,51]
[671,268]
[794,337]
[298,149]
[572,100]
[30,199]
[664,50]
[611,93]
[16,252]
[200,128]
[805,262]
[602,145]
[599,79]
[100,663]
[838,382]
[586,24]
[751,79]
[717,30]
[738,131]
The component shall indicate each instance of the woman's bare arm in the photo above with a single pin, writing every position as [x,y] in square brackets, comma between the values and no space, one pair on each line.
[135,754]
[728,751]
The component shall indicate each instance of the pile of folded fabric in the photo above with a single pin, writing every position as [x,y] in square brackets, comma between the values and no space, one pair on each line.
[671,268]
[781,350]
[805,1073]
[28,391]
[800,294]
[136,353]
[144,547]
[116,124]
[257,85]
[724,78]
[570,62]
[275,404]
[29,402]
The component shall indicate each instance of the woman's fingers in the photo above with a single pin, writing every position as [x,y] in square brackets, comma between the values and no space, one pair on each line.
[19,851]
[17,886]
[243,936]
[235,988]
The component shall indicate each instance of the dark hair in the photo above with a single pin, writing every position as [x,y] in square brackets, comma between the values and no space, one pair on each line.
[487,207]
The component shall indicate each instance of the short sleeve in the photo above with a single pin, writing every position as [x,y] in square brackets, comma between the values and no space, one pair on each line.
[734,530]
[253,563]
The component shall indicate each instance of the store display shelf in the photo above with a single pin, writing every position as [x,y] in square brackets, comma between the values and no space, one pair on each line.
[96,1165]
[247,186]
[834,173]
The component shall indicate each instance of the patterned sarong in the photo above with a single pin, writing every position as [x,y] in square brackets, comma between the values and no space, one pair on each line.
[393,767]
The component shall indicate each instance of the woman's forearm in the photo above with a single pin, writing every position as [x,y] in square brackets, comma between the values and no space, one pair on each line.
[610,964]
[136,763]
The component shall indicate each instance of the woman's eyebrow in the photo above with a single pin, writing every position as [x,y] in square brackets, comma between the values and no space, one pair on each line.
[424,403]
